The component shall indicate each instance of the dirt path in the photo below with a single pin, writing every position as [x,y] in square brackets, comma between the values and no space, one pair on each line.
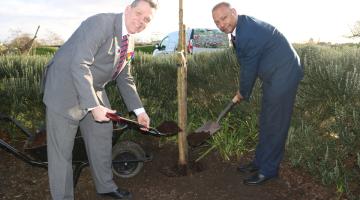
[218,181]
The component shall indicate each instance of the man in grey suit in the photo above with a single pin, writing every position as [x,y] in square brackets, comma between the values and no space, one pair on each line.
[74,94]
[263,52]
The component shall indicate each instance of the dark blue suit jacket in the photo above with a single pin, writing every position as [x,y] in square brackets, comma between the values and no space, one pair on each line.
[262,51]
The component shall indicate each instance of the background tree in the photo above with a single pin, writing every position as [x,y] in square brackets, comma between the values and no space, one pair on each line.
[51,39]
[3,48]
[355,31]
[21,42]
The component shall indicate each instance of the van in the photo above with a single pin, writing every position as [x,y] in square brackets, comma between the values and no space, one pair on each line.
[197,40]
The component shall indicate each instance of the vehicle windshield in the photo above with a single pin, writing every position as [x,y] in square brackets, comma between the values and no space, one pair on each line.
[209,38]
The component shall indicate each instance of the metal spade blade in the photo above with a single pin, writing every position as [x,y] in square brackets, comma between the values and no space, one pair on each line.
[203,133]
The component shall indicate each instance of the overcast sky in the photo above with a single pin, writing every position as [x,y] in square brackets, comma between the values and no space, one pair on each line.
[322,20]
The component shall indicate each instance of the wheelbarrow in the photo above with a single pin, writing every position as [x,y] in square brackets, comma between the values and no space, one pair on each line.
[128,157]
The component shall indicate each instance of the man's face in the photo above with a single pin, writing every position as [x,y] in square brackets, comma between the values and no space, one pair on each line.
[225,18]
[137,18]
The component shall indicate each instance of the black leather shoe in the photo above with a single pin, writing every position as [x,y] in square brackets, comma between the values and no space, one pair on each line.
[118,194]
[247,168]
[257,179]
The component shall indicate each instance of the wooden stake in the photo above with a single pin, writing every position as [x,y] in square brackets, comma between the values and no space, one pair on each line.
[182,92]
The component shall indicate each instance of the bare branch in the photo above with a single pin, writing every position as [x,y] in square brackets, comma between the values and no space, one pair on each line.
[355,31]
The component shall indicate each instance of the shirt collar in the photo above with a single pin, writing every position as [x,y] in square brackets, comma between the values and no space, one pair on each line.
[124,31]
[234,32]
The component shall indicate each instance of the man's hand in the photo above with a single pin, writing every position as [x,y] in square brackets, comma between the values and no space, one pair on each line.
[99,113]
[144,120]
[237,98]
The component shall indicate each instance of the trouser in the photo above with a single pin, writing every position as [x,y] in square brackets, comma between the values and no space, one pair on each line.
[278,99]
[61,133]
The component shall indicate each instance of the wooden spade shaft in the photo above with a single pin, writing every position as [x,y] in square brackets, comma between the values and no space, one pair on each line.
[166,128]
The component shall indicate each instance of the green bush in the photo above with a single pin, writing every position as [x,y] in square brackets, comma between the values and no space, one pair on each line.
[19,88]
[324,138]
[145,48]
[45,50]
[324,134]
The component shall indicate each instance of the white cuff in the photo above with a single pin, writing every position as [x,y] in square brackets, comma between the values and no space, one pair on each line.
[90,109]
[139,111]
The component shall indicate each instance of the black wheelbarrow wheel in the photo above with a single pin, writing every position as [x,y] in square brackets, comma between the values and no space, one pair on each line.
[128,159]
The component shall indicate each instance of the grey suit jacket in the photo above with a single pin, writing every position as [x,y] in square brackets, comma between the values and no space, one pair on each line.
[75,78]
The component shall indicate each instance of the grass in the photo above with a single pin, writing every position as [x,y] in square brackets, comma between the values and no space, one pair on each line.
[145,48]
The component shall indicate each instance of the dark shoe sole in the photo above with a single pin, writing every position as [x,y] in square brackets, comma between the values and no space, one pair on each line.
[106,196]
[256,183]
[109,197]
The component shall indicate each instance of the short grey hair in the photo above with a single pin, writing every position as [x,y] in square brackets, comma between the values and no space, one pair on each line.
[226,4]
[152,3]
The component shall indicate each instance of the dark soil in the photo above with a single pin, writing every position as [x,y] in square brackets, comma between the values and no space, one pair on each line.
[211,179]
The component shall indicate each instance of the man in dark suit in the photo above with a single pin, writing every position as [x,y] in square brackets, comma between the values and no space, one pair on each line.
[264,53]
[74,94]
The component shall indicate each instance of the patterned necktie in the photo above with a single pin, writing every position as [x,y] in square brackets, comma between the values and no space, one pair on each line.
[123,53]
[233,40]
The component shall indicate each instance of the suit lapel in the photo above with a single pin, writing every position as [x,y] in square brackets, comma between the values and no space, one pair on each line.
[116,40]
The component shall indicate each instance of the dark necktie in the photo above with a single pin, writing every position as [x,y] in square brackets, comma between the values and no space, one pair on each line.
[123,53]
[233,40]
